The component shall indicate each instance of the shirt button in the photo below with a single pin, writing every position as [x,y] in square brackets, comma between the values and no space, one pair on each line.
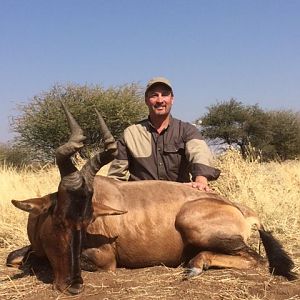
[160,164]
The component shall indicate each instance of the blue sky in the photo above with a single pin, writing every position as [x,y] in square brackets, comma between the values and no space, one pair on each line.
[210,50]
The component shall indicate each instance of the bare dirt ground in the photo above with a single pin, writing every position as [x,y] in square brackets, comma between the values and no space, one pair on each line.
[148,283]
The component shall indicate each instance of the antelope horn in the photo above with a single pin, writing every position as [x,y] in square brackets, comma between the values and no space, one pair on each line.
[108,139]
[93,165]
[75,142]
[76,131]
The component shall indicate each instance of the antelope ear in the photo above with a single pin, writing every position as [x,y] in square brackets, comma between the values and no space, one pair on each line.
[36,206]
[101,210]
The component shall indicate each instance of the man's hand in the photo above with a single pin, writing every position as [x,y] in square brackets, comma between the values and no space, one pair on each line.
[200,183]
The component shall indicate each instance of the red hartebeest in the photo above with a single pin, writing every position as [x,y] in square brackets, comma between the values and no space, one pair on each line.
[156,222]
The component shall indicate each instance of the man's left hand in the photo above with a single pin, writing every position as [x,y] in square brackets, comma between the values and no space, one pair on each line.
[200,183]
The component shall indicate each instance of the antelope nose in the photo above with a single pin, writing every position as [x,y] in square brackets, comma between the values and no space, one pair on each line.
[75,288]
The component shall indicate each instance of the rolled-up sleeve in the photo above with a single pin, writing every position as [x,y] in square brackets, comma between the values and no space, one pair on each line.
[199,155]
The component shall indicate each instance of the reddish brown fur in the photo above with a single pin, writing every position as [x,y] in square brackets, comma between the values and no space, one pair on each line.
[162,219]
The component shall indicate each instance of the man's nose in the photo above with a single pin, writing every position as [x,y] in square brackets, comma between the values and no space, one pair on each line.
[160,98]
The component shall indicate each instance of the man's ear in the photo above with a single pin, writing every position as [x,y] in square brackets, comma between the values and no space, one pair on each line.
[101,210]
[146,101]
[36,206]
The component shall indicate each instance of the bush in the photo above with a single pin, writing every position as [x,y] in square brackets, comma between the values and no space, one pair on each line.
[14,156]
[42,125]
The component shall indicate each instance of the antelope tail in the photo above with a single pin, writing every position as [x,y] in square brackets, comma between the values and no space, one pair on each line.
[279,261]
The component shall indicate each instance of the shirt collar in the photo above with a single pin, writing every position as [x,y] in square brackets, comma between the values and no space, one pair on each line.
[152,128]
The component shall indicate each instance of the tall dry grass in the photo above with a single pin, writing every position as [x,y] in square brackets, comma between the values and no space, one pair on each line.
[272,189]
[21,184]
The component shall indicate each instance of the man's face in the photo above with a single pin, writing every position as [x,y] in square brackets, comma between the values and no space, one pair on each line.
[159,100]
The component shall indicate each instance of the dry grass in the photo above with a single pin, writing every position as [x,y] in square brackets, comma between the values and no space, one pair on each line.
[19,185]
[272,189]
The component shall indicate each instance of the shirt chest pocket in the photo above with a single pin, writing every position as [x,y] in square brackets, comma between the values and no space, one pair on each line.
[174,149]
[172,155]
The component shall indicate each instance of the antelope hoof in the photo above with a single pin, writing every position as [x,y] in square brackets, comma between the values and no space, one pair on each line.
[16,258]
[87,265]
[191,272]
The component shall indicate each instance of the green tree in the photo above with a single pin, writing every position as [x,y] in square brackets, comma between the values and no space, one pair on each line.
[285,134]
[271,134]
[42,125]
[224,121]
[233,123]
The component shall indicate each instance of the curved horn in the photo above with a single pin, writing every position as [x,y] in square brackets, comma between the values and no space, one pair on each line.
[93,165]
[110,144]
[76,131]
[107,136]
[75,142]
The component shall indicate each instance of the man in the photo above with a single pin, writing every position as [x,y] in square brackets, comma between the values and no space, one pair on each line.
[162,147]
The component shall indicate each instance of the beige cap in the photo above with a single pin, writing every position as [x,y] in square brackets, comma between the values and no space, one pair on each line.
[156,80]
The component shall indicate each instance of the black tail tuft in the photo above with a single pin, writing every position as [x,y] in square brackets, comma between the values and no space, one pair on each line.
[279,261]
